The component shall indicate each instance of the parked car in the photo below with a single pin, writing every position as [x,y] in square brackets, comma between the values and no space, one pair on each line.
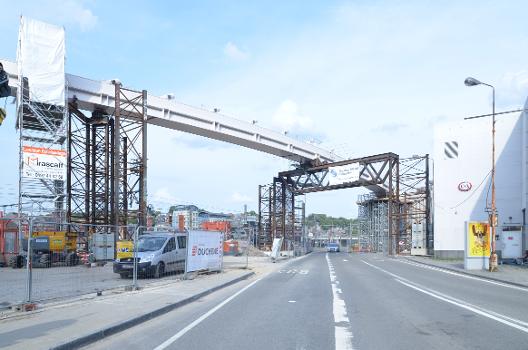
[332,247]
[157,253]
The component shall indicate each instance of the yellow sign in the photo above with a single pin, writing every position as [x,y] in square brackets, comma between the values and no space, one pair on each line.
[125,249]
[479,239]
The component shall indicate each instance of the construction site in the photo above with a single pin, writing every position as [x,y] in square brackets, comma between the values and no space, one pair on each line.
[83,170]
[82,185]
[394,217]
[185,175]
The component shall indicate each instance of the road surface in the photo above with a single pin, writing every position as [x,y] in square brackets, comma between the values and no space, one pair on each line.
[344,301]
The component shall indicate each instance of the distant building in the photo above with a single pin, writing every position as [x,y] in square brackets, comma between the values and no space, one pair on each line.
[252,220]
[194,216]
[162,219]
[190,216]
[206,216]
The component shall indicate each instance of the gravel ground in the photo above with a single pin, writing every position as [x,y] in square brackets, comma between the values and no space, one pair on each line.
[60,282]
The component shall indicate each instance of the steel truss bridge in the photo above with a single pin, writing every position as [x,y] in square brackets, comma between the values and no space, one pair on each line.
[402,185]
[106,142]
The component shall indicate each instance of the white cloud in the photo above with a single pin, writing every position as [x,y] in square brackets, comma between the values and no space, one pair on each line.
[233,52]
[513,89]
[288,118]
[241,198]
[73,13]
[162,197]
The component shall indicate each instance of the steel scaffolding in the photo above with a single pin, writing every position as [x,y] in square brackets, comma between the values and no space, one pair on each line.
[415,211]
[43,128]
[378,173]
[265,236]
[281,215]
[373,223]
[413,224]
[108,167]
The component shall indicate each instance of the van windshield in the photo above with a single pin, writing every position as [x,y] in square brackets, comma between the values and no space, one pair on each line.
[150,244]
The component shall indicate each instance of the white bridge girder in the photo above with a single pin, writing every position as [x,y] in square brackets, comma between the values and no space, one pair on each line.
[92,94]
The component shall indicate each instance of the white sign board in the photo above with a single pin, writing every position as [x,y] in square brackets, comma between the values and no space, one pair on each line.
[205,250]
[275,248]
[40,57]
[44,163]
[339,175]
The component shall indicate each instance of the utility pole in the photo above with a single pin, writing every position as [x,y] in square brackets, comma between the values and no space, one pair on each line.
[493,215]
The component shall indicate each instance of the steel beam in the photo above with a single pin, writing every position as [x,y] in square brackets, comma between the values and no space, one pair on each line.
[168,113]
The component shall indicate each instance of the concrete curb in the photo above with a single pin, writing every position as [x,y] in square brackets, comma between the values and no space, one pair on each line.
[469,273]
[116,328]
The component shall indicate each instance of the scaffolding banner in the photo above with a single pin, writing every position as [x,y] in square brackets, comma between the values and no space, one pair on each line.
[205,250]
[40,57]
[339,175]
[44,163]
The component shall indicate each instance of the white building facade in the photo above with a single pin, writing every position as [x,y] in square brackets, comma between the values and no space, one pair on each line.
[462,178]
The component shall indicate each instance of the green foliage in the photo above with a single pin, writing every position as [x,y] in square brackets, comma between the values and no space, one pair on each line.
[326,222]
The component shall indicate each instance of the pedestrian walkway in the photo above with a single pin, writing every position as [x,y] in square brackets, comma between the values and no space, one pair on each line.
[515,274]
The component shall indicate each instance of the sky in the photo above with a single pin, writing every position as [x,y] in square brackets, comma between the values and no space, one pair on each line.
[358,77]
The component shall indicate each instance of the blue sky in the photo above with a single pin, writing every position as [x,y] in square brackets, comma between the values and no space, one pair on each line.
[362,77]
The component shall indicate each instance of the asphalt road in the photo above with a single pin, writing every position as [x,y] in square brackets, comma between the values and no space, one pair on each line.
[344,301]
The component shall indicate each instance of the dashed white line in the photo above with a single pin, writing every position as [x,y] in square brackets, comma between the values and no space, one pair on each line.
[343,335]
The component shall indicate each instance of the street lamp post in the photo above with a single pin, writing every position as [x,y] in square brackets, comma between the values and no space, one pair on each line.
[493,217]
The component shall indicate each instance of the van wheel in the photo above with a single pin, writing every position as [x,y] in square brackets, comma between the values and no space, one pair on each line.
[12,262]
[124,275]
[16,262]
[72,259]
[45,260]
[160,270]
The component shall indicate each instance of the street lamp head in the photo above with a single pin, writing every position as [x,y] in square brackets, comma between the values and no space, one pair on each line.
[471,81]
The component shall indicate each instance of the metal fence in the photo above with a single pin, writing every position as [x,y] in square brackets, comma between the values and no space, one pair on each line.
[43,261]
[237,250]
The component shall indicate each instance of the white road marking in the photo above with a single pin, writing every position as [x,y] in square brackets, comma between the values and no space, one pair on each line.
[178,335]
[343,335]
[509,321]
[291,301]
[463,275]
[294,271]
[345,260]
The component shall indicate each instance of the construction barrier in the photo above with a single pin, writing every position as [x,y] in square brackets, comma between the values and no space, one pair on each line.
[41,260]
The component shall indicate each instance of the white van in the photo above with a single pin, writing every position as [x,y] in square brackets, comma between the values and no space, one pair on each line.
[157,253]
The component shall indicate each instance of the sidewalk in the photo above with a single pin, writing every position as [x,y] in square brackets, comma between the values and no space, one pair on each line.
[92,319]
[70,324]
[512,274]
